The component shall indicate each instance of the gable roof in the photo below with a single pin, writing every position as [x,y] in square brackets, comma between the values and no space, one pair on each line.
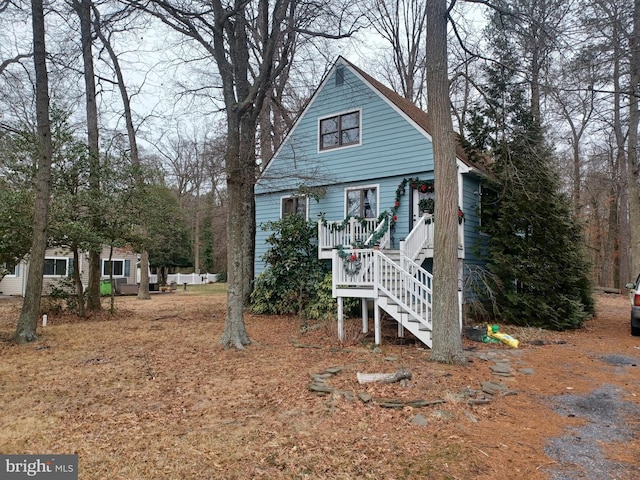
[417,116]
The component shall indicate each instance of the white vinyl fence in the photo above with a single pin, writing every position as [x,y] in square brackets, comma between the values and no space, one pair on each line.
[189,278]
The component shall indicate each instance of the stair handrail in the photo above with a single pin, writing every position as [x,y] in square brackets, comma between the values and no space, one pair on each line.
[382,229]
[426,277]
[418,237]
[415,296]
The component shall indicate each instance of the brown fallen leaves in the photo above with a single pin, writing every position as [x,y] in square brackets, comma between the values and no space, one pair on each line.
[148,394]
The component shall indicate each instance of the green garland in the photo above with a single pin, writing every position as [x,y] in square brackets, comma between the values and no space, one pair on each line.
[352,262]
[424,186]
[338,227]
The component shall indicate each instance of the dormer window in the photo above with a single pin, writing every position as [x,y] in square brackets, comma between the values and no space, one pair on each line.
[340,130]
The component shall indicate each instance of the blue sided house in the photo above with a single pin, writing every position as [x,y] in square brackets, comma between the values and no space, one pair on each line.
[359,160]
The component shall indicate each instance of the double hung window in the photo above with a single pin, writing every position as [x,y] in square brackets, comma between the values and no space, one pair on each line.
[292,205]
[10,270]
[362,202]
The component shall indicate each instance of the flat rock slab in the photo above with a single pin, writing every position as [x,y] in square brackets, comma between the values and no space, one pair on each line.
[321,388]
[419,420]
[365,397]
[493,388]
[501,368]
[620,360]
[389,403]
[333,370]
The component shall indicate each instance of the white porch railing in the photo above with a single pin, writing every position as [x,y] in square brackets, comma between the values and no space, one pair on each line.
[334,233]
[384,239]
[369,269]
[422,237]
[356,271]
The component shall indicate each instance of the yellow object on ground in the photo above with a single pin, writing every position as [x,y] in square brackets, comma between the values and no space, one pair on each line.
[493,332]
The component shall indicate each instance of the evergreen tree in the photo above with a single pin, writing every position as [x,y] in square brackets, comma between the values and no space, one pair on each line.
[535,247]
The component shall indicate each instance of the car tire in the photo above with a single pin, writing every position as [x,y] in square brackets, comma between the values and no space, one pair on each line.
[635,331]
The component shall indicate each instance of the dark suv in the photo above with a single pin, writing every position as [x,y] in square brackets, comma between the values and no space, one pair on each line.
[634,295]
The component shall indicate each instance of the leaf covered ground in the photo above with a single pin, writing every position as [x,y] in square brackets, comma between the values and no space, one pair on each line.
[147,393]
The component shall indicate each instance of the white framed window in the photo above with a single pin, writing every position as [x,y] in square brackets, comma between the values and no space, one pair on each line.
[340,130]
[121,268]
[294,204]
[57,266]
[361,201]
[11,270]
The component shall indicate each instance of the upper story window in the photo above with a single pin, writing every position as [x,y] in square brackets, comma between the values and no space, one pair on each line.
[57,267]
[294,205]
[340,130]
[362,202]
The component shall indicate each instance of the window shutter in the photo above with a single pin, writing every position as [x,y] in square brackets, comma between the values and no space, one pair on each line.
[127,267]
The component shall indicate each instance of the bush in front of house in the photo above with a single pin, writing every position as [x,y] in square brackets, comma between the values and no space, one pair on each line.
[293,271]
[295,281]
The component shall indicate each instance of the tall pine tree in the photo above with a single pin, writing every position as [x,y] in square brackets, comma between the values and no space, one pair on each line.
[535,247]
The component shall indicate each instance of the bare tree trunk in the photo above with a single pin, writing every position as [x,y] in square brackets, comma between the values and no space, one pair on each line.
[83,9]
[249,233]
[235,333]
[26,328]
[77,280]
[609,254]
[618,231]
[447,341]
[143,290]
[196,223]
[632,155]
[112,297]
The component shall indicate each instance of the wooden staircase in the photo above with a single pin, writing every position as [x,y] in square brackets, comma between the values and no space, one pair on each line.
[396,284]
[401,302]
[393,279]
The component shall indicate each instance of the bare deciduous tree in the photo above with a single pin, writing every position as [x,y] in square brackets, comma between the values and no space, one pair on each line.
[401,24]
[249,42]
[26,328]
[143,290]
[83,9]
[632,154]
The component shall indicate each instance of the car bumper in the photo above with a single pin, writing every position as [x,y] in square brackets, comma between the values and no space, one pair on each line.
[635,317]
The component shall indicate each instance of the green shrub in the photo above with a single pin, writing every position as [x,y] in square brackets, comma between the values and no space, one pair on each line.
[324,307]
[293,270]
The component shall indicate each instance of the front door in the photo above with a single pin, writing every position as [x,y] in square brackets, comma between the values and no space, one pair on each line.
[421,201]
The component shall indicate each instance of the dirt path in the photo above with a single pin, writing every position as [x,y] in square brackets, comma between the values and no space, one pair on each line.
[149,394]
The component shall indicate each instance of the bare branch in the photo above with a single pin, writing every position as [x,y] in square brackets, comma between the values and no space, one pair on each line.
[15,59]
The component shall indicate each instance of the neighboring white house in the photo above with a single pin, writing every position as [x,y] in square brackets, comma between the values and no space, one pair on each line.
[58,265]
